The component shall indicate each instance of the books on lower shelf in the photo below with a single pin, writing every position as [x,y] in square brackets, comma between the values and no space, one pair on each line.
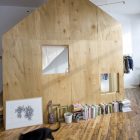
[92,111]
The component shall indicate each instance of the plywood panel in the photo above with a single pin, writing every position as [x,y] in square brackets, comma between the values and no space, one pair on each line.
[30,23]
[95,47]
[82,26]
[55,25]
[107,51]
[78,52]
[59,20]
[108,28]
[22,75]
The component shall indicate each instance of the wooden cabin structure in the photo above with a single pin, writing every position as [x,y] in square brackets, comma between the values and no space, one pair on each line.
[94,42]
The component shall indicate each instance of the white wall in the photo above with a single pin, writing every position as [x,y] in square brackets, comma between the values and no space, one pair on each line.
[135,24]
[9,16]
[131,39]
[131,46]
[130,20]
[125,20]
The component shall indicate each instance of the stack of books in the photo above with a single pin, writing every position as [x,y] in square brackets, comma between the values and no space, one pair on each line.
[77,107]
[77,110]
[126,105]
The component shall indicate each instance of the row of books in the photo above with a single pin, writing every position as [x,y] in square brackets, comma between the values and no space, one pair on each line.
[92,111]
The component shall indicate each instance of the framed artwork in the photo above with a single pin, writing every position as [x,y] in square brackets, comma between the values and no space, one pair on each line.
[60,112]
[22,113]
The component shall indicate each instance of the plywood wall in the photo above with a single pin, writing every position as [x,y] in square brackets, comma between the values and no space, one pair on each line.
[95,46]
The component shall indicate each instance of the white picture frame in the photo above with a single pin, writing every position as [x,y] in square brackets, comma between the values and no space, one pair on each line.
[23,113]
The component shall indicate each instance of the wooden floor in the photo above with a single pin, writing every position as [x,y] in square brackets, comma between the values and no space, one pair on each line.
[115,126]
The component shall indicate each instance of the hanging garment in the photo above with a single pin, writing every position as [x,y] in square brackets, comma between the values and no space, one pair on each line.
[105,76]
[128,64]
[130,61]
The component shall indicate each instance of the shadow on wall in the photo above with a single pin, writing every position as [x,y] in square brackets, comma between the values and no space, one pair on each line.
[82,67]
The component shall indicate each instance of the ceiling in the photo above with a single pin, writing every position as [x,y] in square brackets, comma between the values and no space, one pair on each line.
[23,3]
[130,6]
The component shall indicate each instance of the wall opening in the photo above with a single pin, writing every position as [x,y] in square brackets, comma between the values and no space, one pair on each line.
[55,59]
[109,82]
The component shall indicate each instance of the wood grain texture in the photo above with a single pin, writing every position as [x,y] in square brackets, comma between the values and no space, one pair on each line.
[95,47]
[115,126]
